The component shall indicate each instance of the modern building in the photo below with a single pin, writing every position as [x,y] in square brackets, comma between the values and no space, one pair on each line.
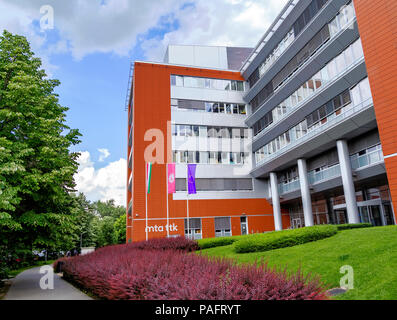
[299,131]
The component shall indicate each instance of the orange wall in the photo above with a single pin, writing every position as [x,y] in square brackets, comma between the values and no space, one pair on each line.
[151,108]
[377,21]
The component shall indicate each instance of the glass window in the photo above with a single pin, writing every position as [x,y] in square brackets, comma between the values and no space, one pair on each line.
[191,157]
[213,158]
[189,131]
[331,69]
[203,131]
[333,26]
[204,157]
[242,109]
[173,80]
[311,86]
[357,49]
[221,108]
[349,56]
[340,63]
[208,106]
[196,131]
[212,132]
[355,94]
[234,85]
[174,130]
[225,158]
[240,86]
[346,97]
[365,89]
[228,108]
[179,81]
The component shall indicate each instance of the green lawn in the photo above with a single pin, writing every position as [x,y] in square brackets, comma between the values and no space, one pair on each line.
[372,252]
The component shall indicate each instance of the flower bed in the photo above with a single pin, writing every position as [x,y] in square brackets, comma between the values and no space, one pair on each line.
[127,273]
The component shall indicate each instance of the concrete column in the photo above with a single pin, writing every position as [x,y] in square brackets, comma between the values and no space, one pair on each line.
[276,202]
[348,184]
[305,192]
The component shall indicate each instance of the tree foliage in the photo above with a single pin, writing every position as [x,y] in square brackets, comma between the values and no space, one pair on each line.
[36,165]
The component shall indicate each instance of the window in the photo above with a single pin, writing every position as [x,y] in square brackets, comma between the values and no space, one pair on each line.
[204,157]
[193,228]
[223,227]
[365,89]
[357,49]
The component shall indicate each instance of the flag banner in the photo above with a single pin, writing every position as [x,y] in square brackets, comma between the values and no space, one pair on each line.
[148,176]
[191,178]
[171,178]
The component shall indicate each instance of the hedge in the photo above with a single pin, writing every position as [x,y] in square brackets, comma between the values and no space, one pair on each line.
[126,273]
[282,239]
[218,242]
[353,226]
[178,243]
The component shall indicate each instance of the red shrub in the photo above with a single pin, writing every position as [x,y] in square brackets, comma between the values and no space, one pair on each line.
[179,243]
[123,272]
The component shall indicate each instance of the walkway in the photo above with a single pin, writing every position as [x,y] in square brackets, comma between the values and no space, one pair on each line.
[26,286]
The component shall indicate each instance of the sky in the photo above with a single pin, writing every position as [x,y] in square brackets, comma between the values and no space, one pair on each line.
[89,46]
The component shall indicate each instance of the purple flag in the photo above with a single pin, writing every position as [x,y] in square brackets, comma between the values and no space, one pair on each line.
[191,178]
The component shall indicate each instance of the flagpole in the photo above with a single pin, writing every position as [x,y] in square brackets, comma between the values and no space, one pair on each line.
[168,217]
[146,191]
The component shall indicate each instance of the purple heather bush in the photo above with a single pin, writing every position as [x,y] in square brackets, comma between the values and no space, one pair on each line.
[125,272]
[179,243]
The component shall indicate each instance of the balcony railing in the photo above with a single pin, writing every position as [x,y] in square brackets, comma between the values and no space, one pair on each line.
[289,187]
[367,159]
[323,175]
[348,112]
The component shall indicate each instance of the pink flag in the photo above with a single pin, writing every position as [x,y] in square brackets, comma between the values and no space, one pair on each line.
[171,178]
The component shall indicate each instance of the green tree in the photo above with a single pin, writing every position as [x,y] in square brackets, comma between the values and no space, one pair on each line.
[108,209]
[120,229]
[36,166]
[87,232]
[106,232]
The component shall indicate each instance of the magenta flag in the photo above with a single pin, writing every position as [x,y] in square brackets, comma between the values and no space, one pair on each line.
[191,178]
[171,178]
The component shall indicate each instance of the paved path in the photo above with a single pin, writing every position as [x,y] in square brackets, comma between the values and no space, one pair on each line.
[26,286]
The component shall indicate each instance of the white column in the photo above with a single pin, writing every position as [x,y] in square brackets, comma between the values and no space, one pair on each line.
[347,179]
[276,202]
[305,192]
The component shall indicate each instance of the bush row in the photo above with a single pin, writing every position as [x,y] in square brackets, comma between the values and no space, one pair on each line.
[179,243]
[217,242]
[353,226]
[124,273]
[282,239]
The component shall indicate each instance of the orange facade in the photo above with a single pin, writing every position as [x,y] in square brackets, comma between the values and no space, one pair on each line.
[377,21]
[152,110]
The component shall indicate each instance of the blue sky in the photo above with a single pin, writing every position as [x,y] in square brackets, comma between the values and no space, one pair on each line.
[90,48]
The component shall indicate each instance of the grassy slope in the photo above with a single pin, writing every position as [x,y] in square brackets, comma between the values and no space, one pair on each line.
[371,252]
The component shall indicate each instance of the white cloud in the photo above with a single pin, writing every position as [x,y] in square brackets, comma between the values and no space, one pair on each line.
[103,184]
[104,154]
[116,26]
[220,22]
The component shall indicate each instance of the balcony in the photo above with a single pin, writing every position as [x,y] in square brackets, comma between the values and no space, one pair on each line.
[289,187]
[367,160]
[366,167]
[352,122]
[324,175]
